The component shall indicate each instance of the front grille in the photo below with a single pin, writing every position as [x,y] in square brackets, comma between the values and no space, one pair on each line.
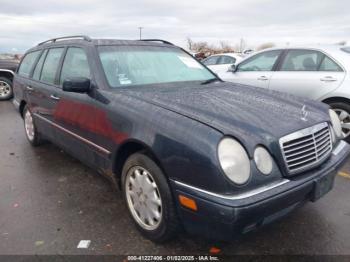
[306,148]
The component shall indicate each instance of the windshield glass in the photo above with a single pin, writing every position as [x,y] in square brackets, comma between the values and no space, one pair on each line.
[142,65]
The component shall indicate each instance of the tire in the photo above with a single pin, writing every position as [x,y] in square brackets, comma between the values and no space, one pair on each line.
[6,91]
[153,196]
[30,128]
[343,111]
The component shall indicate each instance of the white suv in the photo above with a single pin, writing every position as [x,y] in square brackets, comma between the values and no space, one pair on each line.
[319,73]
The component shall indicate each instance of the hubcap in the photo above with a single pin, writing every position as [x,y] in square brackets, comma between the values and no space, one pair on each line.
[29,125]
[143,198]
[344,118]
[5,89]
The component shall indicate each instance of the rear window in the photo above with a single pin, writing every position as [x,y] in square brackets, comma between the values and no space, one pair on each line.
[27,63]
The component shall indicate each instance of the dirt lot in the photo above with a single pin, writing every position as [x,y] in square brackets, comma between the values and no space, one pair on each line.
[49,202]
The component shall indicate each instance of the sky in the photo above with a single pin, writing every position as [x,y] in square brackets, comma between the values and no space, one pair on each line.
[25,23]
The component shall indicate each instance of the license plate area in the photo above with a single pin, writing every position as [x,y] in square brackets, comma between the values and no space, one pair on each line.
[322,186]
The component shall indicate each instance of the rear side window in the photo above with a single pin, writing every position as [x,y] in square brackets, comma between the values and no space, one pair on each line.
[39,66]
[346,49]
[27,63]
[51,63]
[302,60]
[329,65]
[260,62]
[213,60]
[227,60]
[75,64]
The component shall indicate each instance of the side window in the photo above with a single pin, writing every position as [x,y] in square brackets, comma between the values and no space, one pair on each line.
[329,65]
[260,62]
[52,60]
[39,66]
[75,64]
[212,60]
[227,60]
[302,60]
[27,63]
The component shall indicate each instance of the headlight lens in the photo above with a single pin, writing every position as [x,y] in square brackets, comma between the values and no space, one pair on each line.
[263,160]
[336,123]
[234,160]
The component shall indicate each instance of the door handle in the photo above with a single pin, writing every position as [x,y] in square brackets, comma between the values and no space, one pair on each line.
[263,78]
[328,79]
[29,88]
[54,97]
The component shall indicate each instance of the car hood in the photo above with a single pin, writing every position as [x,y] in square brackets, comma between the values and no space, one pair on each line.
[248,113]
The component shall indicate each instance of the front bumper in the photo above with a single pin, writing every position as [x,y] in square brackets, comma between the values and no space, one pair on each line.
[222,217]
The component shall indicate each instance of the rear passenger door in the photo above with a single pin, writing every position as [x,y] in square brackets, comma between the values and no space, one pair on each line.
[43,90]
[307,73]
[75,114]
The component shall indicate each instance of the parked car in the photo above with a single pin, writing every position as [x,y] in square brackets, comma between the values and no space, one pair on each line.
[319,73]
[221,62]
[185,148]
[8,66]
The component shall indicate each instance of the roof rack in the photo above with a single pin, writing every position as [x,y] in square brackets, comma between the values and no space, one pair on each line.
[53,40]
[157,40]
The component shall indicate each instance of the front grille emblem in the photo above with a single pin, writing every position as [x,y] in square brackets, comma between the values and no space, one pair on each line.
[304,113]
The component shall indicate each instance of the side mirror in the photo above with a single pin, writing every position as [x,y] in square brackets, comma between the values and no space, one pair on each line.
[232,68]
[77,85]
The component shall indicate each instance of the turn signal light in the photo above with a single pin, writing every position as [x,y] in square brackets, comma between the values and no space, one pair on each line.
[188,202]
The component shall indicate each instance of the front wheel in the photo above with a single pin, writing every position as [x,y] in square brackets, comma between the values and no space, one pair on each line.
[343,112]
[148,198]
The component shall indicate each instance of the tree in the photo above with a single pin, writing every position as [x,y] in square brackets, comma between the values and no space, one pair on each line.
[265,46]
[341,43]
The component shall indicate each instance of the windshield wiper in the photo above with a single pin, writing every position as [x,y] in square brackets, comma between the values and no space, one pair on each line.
[211,80]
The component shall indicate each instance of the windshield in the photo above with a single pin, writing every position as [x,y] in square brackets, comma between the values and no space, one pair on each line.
[142,65]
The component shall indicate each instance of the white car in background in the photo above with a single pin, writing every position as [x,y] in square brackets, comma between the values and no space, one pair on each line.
[320,73]
[219,63]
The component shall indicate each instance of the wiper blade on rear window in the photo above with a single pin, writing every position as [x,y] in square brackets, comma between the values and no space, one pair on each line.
[211,80]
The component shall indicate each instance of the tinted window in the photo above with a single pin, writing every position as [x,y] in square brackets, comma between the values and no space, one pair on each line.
[27,63]
[75,64]
[212,60]
[52,60]
[39,65]
[260,62]
[227,60]
[329,65]
[346,49]
[302,60]
[142,65]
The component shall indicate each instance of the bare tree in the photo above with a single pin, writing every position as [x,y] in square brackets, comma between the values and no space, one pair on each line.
[265,46]
[341,43]
[189,43]
[225,47]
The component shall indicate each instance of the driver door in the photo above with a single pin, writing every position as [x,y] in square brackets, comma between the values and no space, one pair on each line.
[254,71]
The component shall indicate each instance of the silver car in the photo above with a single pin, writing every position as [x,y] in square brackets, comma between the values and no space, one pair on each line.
[319,73]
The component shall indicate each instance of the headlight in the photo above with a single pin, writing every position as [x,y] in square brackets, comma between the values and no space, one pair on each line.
[234,160]
[336,123]
[263,160]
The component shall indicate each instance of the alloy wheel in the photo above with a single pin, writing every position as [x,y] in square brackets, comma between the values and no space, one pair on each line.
[29,125]
[5,89]
[143,198]
[344,118]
